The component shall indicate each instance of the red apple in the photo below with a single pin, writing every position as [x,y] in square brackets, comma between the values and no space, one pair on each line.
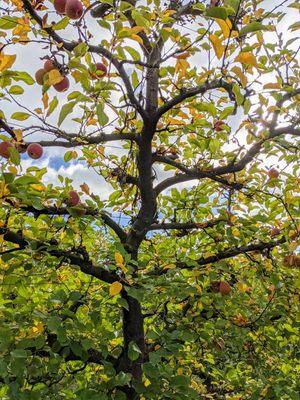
[60,6]
[273,173]
[101,71]
[49,66]
[39,76]
[4,149]
[215,286]
[275,231]
[73,199]
[82,211]
[218,126]
[224,288]
[63,85]
[213,3]
[74,9]
[35,150]
[292,260]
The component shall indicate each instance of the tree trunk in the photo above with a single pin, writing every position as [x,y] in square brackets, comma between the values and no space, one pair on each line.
[133,331]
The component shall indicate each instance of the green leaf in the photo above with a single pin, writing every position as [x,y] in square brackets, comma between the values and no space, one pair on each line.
[68,156]
[217,12]
[65,111]
[102,117]
[54,323]
[238,95]
[8,22]
[16,89]
[53,104]
[139,19]
[26,180]
[233,5]
[247,106]
[76,348]
[8,177]
[62,24]
[20,116]
[214,145]
[133,351]
[19,353]
[80,49]
[226,112]
[14,155]
[104,24]
[295,26]
[253,27]
[134,54]
[23,76]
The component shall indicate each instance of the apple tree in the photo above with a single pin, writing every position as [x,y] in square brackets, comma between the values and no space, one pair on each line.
[175,274]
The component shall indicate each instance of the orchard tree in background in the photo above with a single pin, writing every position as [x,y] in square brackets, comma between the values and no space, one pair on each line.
[182,284]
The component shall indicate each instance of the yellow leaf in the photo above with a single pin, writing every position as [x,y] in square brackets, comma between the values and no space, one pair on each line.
[247,58]
[235,232]
[137,39]
[22,28]
[18,4]
[181,67]
[6,61]
[54,77]
[241,287]
[13,169]
[4,191]
[246,19]
[131,31]
[265,390]
[147,382]
[36,330]
[76,75]
[119,258]
[226,26]
[173,121]
[217,45]
[84,187]
[239,73]
[272,86]
[169,266]
[184,55]
[115,288]
[45,100]
[120,262]
[91,121]
[37,186]
[18,134]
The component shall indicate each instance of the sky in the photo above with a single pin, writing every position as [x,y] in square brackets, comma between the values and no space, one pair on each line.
[28,59]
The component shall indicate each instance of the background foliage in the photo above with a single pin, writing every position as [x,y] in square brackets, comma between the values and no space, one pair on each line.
[193,131]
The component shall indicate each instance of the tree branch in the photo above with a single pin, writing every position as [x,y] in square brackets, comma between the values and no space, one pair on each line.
[232,252]
[72,142]
[185,225]
[7,128]
[64,211]
[180,178]
[84,263]
[187,93]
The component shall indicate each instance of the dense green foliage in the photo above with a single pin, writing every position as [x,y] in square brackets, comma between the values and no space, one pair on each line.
[191,125]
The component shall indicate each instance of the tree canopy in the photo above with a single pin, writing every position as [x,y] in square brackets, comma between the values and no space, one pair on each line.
[176,274]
